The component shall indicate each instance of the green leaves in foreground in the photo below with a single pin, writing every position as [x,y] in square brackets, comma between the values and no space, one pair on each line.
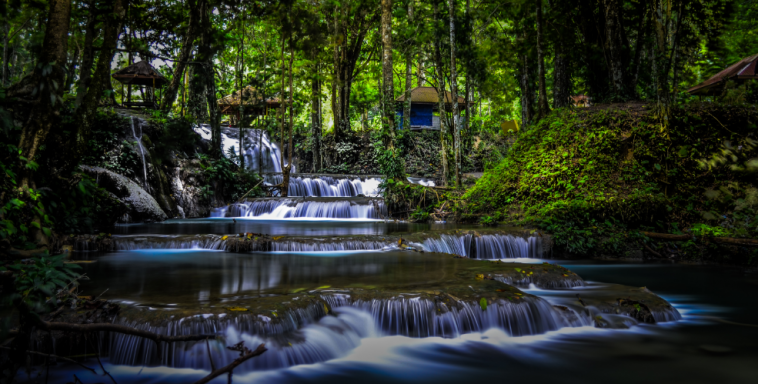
[43,281]
[483,304]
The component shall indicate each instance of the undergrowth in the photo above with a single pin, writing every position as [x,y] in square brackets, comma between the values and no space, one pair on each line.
[589,175]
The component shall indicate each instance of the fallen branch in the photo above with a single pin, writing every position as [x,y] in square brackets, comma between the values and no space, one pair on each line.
[61,358]
[248,192]
[651,250]
[245,355]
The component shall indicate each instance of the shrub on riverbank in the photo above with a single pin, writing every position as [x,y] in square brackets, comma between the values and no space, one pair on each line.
[579,171]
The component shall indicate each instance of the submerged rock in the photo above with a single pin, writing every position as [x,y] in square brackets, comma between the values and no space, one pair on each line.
[142,206]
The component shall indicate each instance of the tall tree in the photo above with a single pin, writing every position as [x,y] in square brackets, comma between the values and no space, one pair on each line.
[441,94]
[350,22]
[542,105]
[454,97]
[410,49]
[47,79]
[101,78]
[388,91]
[188,44]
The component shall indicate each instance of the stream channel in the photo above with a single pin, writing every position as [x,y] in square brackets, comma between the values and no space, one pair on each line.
[175,291]
[338,294]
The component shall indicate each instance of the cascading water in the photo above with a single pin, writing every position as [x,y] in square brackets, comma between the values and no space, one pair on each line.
[308,335]
[215,243]
[496,246]
[326,186]
[142,150]
[261,154]
[287,208]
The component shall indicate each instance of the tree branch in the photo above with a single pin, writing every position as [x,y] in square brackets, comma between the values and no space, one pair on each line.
[229,368]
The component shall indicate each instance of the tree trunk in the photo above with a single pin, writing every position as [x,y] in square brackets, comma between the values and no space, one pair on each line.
[388,119]
[454,96]
[72,70]
[283,110]
[440,96]
[337,76]
[88,109]
[315,123]
[88,59]
[561,76]
[639,45]
[45,112]
[614,49]
[196,107]
[410,50]
[420,70]
[542,105]
[188,43]
[6,43]
[291,108]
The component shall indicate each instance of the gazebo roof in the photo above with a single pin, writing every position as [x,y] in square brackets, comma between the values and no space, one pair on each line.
[428,95]
[744,69]
[250,98]
[140,73]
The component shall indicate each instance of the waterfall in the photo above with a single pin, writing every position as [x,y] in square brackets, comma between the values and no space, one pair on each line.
[496,246]
[142,150]
[306,335]
[285,208]
[260,152]
[215,243]
[421,317]
[326,186]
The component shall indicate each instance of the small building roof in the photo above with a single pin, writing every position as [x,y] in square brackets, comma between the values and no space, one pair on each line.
[250,98]
[140,73]
[428,95]
[744,69]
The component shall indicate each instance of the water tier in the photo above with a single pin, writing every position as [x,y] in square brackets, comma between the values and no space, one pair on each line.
[306,208]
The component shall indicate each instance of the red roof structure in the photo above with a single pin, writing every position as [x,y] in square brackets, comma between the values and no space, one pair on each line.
[740,71]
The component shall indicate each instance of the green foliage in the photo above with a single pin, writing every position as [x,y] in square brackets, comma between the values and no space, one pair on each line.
[225,177]
[85,208]
[391,164]
[42,284]
[175,134]
[576,171]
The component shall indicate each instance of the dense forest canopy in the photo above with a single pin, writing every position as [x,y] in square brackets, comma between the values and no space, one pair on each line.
[334,69]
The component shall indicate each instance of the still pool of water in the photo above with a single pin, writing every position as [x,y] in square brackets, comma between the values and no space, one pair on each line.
[701,348]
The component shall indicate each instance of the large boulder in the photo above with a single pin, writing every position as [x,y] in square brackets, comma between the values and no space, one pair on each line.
[141,206]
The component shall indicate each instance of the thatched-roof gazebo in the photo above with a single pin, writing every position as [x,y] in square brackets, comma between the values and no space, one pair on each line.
[741,71]
[141,74]
[253,105]
[252,102]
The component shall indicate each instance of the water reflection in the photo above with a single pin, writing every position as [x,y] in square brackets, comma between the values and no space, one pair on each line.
[189,277]
[277,228]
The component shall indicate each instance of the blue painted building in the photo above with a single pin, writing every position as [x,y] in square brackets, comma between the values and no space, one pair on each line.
[424,106]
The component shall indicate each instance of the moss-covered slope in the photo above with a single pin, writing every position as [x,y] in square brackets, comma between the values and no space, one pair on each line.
[623,166]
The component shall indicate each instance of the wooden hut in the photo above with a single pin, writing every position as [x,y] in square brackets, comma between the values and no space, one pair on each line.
[142,74]
[252,104]
[424,104]
[740,72]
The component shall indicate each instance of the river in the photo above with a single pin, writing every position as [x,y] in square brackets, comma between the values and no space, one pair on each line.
[358,343]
